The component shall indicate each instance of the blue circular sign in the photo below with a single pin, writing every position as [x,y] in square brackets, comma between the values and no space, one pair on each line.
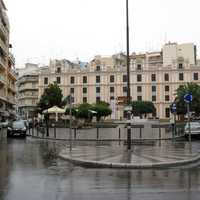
[188,98]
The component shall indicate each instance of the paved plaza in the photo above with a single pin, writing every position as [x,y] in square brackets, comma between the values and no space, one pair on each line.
[160,154]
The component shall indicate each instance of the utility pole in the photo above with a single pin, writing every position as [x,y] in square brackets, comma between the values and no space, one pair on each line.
[128,78]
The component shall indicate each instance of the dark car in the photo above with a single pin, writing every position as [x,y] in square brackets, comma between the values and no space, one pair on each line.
[17,128]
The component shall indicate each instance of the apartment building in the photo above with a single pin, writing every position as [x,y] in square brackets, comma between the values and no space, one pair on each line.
[154,76]
[27,90]
[7,71]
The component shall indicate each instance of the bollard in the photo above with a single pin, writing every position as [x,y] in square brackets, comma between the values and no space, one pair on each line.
[159,133]
[37,131]
[140,133]
[54,131]
[97,133]
[33,131]
[119,134]
[74,133]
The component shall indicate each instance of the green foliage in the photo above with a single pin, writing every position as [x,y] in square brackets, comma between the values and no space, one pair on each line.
[142,107]
[194,90]
[83,111]
[52,96]
[102,108]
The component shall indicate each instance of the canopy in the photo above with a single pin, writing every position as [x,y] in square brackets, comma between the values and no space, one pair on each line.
[55,110]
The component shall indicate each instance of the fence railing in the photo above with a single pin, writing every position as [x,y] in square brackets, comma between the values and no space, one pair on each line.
[138,132]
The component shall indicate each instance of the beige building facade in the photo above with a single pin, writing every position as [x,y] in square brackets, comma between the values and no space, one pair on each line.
[7,71]
[154,76]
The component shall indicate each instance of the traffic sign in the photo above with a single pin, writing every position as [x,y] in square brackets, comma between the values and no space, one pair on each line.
[173,108]
[188,98]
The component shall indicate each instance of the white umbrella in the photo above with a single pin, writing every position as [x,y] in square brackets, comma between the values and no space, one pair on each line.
[55,110]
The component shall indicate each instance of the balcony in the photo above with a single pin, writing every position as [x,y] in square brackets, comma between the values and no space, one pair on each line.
[12,88]
[2,79]
[11,99]
[2,62]
[12,58]
[13,74]
[3,46]
[2,94]
[27,88]
[3,28]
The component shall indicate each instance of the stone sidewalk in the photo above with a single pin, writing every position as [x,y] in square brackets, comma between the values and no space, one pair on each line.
[165,154]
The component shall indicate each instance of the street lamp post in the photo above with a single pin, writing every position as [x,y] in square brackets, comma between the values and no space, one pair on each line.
[128,78]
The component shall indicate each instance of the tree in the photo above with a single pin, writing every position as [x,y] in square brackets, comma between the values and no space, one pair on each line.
[194,90]
[102,108]
[141,108]
[52,96]
[83,111]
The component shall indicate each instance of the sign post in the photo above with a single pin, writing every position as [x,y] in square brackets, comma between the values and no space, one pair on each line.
[188,100]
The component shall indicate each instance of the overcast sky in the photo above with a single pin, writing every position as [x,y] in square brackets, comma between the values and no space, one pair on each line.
[44,29]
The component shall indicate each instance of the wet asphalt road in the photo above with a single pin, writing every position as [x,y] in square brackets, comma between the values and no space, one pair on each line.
[29,169]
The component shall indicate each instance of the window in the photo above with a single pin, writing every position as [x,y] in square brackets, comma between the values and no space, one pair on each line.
[112,89]
[196,76]
[84,90]
[98,79]
[45,80]
[139,77]
[166,88]
[181,77]
[112,78]
[153,98]
[139,98]
[112,98]
[139,67]
[98,89]
[71,90]
[153,88]
[58,70]
[98,68]
[84,79]
[84,99]
[166,77]
[166,97]
[124,78]
[98,99]
[167,112]
[72,79]
[139,88]
[58,80]
[153,77]
[124,89]
[180,66]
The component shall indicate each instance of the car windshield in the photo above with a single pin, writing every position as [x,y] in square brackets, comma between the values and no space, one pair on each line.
[194,124]
[18,124]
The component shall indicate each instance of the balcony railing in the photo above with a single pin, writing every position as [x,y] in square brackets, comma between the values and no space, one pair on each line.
[2,78]
[2,62]
[3,46]
[2,27]
[12,58]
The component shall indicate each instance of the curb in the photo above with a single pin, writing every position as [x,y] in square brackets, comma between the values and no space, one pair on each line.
[95,140]
[97,164]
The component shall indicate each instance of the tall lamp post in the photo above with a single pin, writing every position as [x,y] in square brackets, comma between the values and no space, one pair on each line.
[128,79]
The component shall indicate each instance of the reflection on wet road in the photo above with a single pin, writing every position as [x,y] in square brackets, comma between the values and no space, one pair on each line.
[30,170]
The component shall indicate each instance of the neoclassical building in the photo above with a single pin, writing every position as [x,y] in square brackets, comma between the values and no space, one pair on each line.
[154,76]
[7,71]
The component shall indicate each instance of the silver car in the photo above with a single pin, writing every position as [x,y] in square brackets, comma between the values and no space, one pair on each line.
[194,127]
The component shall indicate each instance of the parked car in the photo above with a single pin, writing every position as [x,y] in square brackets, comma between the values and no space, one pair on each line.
[4,124]
[195,129]
[17,128]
